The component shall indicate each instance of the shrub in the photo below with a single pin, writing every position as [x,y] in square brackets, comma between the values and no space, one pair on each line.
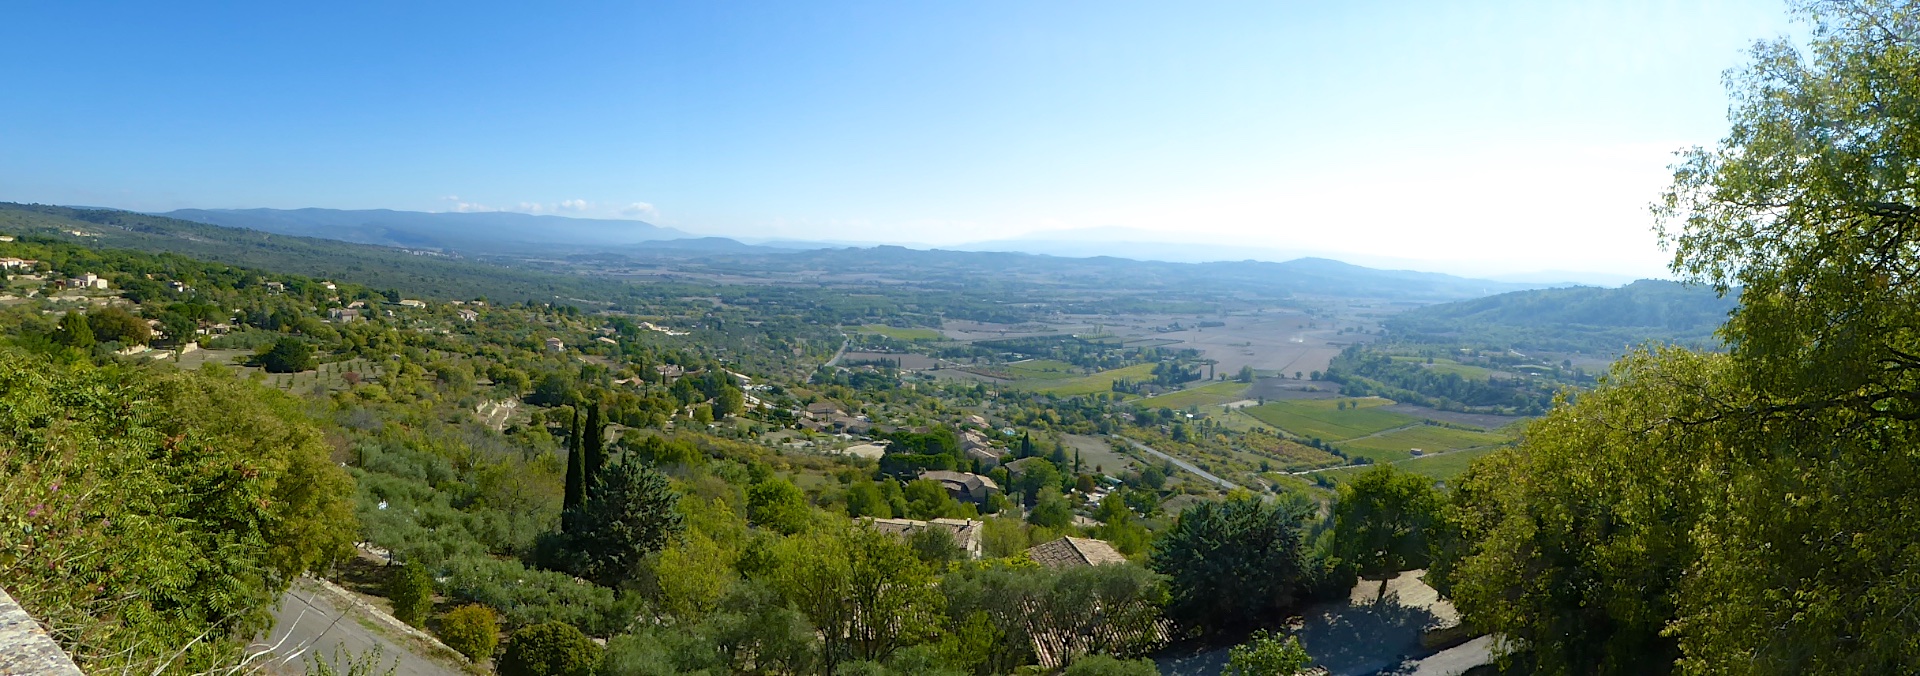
[1103,665]
[410,589]
[471,629]
[549,649]
[1265,654]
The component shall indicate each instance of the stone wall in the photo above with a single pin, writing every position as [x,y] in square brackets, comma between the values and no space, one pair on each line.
[25,648]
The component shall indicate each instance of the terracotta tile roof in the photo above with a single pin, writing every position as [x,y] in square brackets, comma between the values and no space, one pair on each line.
[1068,552]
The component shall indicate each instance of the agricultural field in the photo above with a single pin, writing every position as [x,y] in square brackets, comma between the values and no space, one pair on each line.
[1324,418]
[1206,395]
[1091,384]
[1039,369]
[1442,467]
[1398,444]
[1449,366]
[330,377]
[898,333]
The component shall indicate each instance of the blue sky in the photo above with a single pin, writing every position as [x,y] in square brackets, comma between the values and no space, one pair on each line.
[1463,136]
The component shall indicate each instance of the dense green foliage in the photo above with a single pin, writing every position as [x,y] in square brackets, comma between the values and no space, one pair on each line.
[1234,563]
[1752,512]
[145,510]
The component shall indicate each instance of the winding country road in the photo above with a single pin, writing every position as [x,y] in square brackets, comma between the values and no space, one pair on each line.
[841,352]
[313,621]
[1182,464]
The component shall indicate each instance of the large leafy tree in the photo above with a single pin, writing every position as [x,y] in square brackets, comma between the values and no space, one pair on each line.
[777,504]
[1808,206]
[1233,563]
[1574,542]
[1752,513]
[1381,521]
[864,592]
[287,355]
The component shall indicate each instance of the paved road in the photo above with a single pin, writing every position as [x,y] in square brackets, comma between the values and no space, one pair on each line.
[841,352]
[1182,464]
[311,621]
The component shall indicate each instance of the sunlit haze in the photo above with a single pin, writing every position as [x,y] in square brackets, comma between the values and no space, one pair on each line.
[1474,138]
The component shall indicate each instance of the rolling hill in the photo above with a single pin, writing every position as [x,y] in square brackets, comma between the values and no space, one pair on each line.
[1586,320]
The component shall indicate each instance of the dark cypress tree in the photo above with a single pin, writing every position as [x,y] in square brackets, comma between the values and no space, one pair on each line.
[593,441]
[576,494]
[1026,445]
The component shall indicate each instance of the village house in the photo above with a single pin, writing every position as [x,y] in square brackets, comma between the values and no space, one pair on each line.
[468,315]
[964,486]
[1019,467]
[1073,552]
[554,345]
[178,287]
[341,315]
[668,372]
[412,303]
[276,287]
[851,424]
[18,263]
[87,281]
[988,457]
[966,532]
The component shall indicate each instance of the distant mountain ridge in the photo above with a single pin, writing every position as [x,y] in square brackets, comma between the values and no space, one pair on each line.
[244,235]
[471,231]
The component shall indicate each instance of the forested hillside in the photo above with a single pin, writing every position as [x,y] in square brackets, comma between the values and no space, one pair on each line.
[1587,320]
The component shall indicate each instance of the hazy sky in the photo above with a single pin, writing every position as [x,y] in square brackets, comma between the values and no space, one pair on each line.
[1504,136]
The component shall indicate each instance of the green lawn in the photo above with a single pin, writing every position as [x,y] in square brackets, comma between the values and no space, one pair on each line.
[898,333]
[1397,445]
[1093,384]
[1206,395]
[1324,419]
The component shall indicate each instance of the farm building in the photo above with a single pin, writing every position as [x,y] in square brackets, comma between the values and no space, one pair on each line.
[554,345]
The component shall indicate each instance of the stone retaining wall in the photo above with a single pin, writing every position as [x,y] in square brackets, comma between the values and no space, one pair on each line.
[25,648]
